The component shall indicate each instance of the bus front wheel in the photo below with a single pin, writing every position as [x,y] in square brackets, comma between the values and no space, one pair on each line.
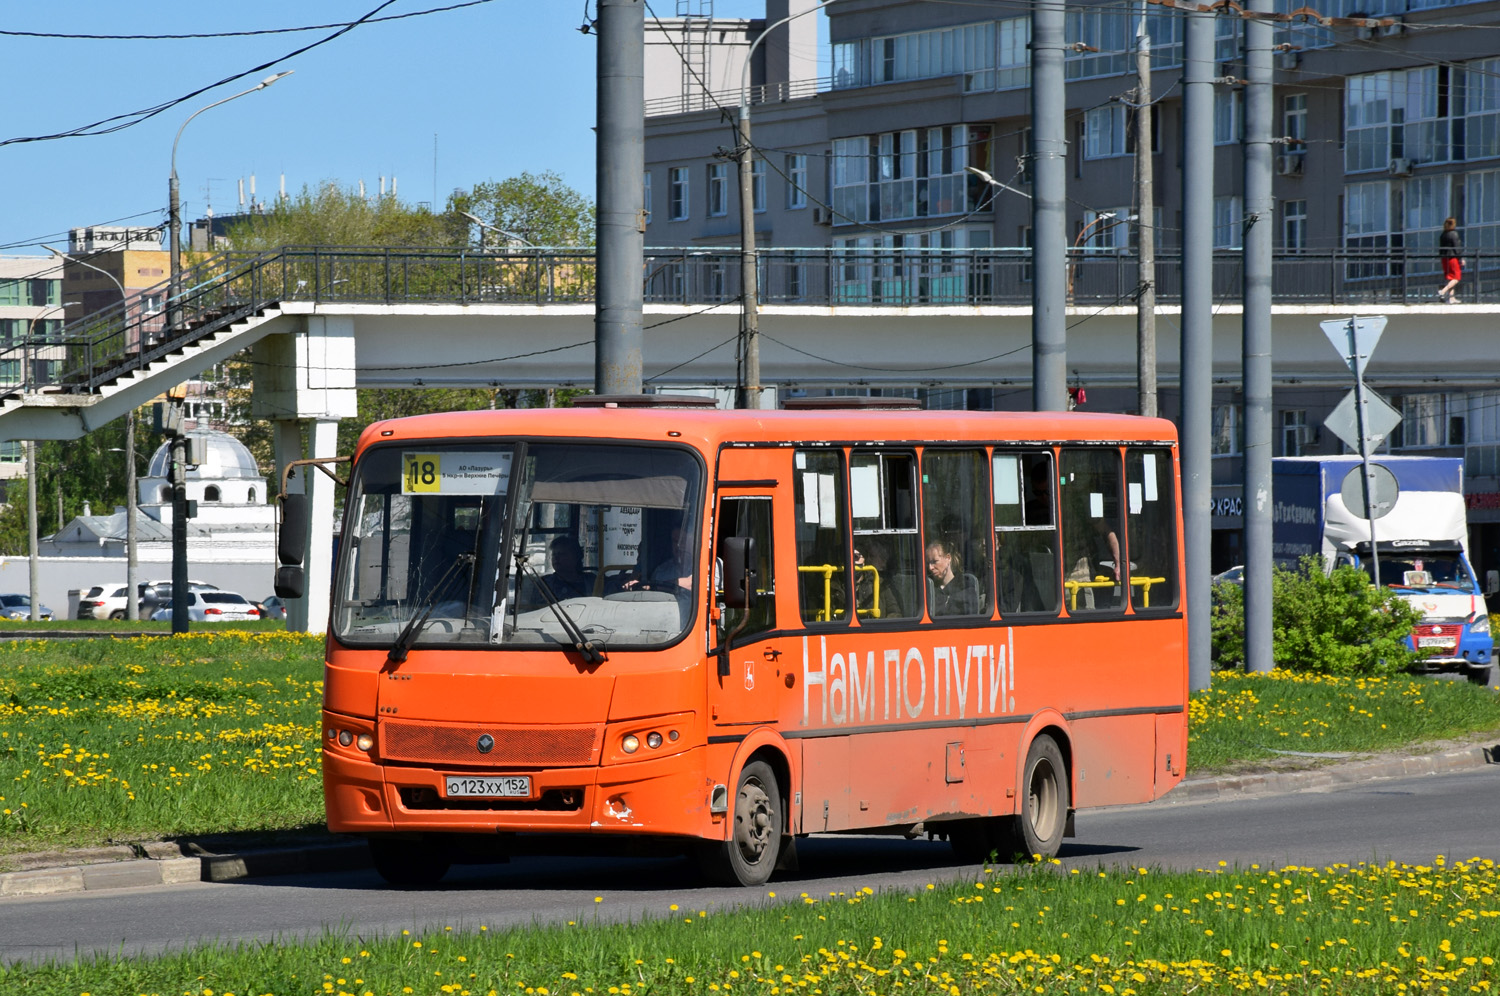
[408,864]
[749,856]
[1039,826]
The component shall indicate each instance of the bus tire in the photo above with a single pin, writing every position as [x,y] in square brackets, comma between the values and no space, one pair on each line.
[1038,827]
[408,864]
[749,856]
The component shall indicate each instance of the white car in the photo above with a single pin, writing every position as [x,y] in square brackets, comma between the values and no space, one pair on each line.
[108,601]
[214,606]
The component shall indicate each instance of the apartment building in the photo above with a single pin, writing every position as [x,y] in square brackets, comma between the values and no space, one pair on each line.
[31,300]
[1385,131]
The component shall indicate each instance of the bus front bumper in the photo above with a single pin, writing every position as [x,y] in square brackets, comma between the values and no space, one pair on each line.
[668,795]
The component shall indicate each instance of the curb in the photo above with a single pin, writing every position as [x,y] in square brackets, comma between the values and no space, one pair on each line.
[1195,790]
[122,867]
[104,870]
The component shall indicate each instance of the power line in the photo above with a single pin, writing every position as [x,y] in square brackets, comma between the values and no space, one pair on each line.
[119,122]
[63,36]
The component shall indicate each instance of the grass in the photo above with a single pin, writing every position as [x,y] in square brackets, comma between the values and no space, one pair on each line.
[1245,719]
[125,626]
[214,732]
[153,737]
[1365,929]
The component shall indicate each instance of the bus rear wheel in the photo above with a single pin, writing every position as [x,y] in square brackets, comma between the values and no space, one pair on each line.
[750,854]
[408,864]
[1038,827]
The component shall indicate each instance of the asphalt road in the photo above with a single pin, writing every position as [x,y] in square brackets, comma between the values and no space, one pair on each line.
[1409,820]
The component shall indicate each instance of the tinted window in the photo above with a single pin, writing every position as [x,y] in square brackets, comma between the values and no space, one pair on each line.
[887,548]
[956,532]
[822,548]
[1025,532]
[1151,519]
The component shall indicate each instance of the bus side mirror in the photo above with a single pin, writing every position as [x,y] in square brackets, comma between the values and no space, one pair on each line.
[291,540]
[738,555]
[291,581]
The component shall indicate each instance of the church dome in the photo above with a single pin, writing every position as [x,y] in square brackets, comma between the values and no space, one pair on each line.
[224,458]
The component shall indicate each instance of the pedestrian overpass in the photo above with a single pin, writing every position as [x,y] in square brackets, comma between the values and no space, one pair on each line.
[321,322]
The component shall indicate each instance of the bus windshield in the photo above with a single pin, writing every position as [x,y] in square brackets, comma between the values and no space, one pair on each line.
[477,536]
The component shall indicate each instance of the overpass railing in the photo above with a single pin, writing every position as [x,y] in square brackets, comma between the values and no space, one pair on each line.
[98,348]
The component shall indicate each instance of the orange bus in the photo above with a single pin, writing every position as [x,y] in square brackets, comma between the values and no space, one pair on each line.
[644,622]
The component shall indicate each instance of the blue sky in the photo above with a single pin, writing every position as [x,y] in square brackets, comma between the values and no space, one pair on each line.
[503,87]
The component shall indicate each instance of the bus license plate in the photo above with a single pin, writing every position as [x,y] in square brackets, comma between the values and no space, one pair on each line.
[502,786]
[1437,641]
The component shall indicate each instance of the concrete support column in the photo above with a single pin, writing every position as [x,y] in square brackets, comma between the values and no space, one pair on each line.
[322,441]
[287,440]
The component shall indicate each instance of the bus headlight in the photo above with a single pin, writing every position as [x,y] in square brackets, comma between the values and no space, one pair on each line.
[345,738]
[653,740]
[366,741]
[631,743]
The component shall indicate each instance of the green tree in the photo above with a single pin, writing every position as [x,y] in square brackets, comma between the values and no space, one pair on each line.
[1329,623]
[541,209]
[331,215]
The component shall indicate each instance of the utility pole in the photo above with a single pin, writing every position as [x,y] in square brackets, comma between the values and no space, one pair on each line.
[747,387]
[1145,197]
[32,533]
[1259,226]
[1196,374]
[132,605]
[620,165]
[1049,237]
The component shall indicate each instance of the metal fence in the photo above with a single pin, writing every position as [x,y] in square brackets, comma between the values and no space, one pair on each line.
[103,346]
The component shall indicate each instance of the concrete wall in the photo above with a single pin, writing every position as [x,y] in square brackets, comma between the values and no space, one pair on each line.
[57,576]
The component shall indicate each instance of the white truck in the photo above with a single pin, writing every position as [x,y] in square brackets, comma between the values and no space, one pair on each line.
[1421,542]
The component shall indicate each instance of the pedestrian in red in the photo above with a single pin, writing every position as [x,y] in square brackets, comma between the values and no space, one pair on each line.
[1452,257]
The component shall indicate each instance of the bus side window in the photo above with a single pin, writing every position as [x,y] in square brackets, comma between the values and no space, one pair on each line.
[887,548]
[956,532]
[751,517]
[1091,530]
[1151,523]
[1025,532]
[822,543]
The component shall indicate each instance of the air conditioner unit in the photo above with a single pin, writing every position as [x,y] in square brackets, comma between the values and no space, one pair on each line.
[822,215]
[1289,164]
[1399,167]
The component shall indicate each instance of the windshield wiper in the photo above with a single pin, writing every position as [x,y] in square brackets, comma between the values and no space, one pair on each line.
[399,649]
[592,653]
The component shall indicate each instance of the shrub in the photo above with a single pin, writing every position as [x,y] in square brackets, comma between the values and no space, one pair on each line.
[1333,623]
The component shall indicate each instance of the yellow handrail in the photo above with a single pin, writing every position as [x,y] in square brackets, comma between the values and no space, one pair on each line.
[1100,581]
[828,571]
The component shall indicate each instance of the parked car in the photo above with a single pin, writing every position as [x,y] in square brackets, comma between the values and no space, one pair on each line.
[18,607]
[1235,575]
[106,601]
[157,594]
[213,606]
[272,608]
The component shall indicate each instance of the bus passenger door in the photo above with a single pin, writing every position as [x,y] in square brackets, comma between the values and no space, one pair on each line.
[745,696]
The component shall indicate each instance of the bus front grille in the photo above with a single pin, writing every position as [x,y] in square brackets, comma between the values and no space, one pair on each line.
[423,743]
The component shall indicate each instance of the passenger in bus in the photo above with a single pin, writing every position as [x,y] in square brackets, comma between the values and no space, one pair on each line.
[951,592]
[870,563]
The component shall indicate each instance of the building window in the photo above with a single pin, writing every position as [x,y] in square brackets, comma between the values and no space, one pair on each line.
[1294,123]
[1294,225]
[1482,106]
[796,181]
[1367,225]
[646,195]
[1482,209]
[1105,42]
[718,189]
[1228,114]
[916,174]
[1227,431]
[1432,420]
[1228,216]
[211,493]
[10,292]
[1104,132]
[1294,431]
[677,178]
[1367,122]
[1425,205]
[758,184]
[1013,64]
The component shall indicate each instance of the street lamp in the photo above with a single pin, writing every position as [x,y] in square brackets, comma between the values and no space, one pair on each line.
[994,182]
[174,310]
[132,610]
[495,228]
[1084,235]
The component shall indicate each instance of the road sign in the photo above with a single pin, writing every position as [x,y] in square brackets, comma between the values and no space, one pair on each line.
[1380,419]
[1366,335]
[1383,487]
